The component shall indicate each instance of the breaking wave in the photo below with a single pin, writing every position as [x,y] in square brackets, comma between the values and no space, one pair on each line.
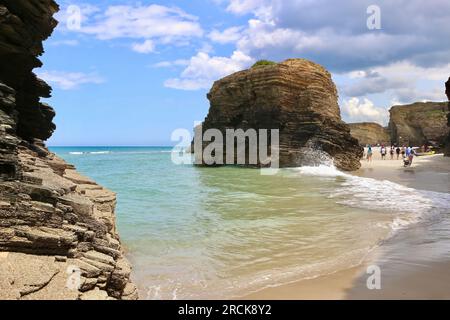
[409,205]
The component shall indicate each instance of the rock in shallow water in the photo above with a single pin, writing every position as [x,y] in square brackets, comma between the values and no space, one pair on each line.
[299,98]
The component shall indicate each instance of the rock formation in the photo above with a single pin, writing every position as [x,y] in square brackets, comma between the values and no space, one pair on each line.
[447,92]
[370,133]
[58,238]
[419,123]
[299,98]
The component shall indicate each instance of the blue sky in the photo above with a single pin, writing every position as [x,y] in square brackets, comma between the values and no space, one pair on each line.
[130,73]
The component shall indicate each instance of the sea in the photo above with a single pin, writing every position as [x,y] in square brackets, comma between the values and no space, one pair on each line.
[222,233]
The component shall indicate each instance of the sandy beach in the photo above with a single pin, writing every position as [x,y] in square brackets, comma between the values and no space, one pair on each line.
[414,263]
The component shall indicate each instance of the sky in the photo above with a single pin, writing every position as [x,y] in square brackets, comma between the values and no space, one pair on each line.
[131,72]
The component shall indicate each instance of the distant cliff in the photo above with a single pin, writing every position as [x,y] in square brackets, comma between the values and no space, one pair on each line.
[370,133]
[58,238]
[419,123]
[299,98]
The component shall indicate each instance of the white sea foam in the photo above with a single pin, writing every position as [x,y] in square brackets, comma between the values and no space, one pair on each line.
[100,152]
[76,153]
[321,171]
[409,205]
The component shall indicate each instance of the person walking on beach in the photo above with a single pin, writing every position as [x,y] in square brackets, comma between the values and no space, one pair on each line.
[398,152]
[412,153]
[408,152]
[369,153]
[391,152]
[383,152]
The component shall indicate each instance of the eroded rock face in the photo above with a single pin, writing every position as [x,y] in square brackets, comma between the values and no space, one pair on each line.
[299,98]
[24,25]
[53,221]
[370,133]
[419,123]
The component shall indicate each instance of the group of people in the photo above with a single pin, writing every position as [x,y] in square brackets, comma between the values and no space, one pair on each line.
[407,153]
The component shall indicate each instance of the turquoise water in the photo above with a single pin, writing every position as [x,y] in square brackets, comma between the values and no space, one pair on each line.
[225,232]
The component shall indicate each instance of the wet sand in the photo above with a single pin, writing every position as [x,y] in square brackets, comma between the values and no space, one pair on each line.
[426,173]
[414,264]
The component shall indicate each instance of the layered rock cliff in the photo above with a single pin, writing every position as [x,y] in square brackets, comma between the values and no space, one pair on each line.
[419,123]
[299,98]
[370,133]
[58,238]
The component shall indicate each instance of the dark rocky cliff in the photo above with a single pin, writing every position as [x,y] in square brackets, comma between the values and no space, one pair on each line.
[54,223]
[299,98]
[419,123]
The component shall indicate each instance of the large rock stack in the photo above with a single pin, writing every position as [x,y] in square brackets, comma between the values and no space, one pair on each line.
[299,98]
[419,123]
[57,229]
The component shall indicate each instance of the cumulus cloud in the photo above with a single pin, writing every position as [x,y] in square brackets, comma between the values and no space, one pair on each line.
[261,8]
[150,23]
[203,70]
[69,80]
[356,110]
[337,35]
[230,35]
[143,22]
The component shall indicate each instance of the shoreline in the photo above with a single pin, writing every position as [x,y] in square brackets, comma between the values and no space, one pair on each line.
[408,268]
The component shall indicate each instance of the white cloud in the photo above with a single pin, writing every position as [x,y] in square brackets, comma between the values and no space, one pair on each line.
[410,95]
[203,70]
[146,47]
[260,8]
[69,80]
[356,110]
[403,81]
[67,15]
[230,35]
[153,24]
[175,63]
[337,36]
[152,21]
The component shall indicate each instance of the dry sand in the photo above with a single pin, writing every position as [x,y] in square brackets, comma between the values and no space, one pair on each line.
[412,265]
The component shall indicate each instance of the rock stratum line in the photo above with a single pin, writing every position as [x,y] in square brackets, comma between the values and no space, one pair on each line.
[297,97]
[53,221]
